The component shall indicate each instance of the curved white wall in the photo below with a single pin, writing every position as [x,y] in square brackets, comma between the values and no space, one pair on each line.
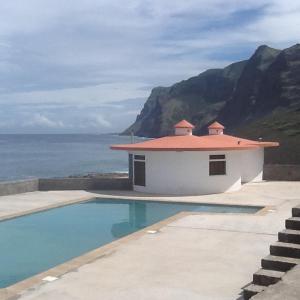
[214,131]
[183,131]
[187,173]
[252,163]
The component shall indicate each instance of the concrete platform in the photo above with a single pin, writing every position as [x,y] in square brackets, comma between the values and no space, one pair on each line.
[28,202]
[204,256]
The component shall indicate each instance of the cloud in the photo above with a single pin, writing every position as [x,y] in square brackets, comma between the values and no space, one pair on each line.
[55,117]
[77,55]
[41,120]
[100,121]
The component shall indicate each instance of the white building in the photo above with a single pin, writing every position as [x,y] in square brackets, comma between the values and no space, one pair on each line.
[185,164]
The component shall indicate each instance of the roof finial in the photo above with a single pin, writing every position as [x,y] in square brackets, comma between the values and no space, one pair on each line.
[184,128]
[215,128]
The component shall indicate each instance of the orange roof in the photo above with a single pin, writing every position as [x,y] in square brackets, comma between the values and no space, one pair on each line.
[195,143]
[184,124]
[216,125]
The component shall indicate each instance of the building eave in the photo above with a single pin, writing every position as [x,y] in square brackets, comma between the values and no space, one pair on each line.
[132,148]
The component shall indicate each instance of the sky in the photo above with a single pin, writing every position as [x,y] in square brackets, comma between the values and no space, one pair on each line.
[88,66]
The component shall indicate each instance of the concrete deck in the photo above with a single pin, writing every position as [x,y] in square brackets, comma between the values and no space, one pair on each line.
[205,256]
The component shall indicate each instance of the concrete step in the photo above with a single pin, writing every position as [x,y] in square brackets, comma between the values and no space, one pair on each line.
[251,290]
[267,277]
[293,223]
[285,249]
[296,211]
[279,263]
[289,236]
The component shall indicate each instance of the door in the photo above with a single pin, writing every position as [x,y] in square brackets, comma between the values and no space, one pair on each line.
[139,170]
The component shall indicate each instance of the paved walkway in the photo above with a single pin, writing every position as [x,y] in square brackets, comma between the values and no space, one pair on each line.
[27,202]
[205,256]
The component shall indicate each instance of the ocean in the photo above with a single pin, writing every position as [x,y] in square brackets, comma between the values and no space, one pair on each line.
[25,156]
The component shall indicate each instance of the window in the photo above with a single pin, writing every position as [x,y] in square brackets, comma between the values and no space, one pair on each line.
[220,156]
[139,170]
[130,169]
[217,165]
[139,157]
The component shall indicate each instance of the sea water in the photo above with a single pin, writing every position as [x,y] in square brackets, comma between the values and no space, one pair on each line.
[25,156]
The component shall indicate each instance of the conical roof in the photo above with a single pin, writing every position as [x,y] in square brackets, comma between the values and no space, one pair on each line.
[184,124]
[216,125]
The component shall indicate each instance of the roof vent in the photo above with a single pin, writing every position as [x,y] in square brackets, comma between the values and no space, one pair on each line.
[184,128]
[215,128]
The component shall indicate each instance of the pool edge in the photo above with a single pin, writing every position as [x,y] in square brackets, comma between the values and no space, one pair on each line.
[94,195]
[13,291]
[79,261]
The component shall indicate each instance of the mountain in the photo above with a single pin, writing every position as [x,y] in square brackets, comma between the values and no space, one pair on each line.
[258,97]
[196,99]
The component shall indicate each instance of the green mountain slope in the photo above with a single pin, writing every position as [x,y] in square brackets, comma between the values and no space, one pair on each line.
[259,97]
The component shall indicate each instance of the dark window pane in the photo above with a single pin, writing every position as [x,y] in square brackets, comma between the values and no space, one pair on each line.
[139,157]
[220,156]
[130,162]
[217,167]
[139,173]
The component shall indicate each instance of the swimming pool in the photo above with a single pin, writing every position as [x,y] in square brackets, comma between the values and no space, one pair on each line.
[34,243]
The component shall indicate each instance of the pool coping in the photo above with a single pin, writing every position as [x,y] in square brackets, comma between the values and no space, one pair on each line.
[14,290]
[264,208]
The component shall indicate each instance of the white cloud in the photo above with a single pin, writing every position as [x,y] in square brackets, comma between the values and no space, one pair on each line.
[85,96]
[85,54]
[99,121]
[7,124]
[279,28]
[129,112]
[41,120]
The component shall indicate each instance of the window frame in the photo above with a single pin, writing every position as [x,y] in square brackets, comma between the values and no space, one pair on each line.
[216,158]
[137,158]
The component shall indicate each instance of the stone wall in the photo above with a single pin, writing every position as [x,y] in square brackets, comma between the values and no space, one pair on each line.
[82,183]
[17,187]
[282,172]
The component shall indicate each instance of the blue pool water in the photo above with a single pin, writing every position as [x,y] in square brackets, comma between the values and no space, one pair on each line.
[34,243]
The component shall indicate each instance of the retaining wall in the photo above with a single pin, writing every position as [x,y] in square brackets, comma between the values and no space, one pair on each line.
[282,172]
[52,184]
[17,187]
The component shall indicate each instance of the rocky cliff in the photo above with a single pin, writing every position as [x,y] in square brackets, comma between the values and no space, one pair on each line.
[258,97]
